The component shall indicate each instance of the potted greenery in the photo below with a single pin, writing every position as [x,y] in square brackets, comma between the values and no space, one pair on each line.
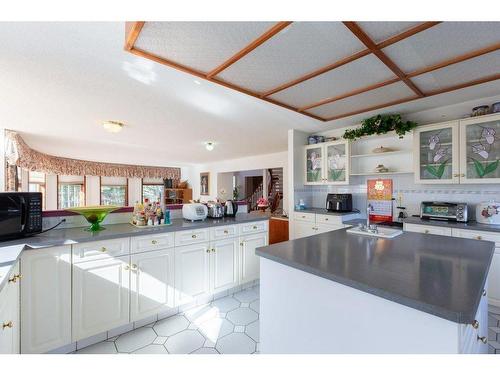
[380,124]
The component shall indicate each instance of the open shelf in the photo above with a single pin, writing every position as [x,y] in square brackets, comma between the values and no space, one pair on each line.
[384,173]
[373,154]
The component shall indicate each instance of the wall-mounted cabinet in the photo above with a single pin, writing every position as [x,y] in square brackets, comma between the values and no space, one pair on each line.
[327,163]
[458,152]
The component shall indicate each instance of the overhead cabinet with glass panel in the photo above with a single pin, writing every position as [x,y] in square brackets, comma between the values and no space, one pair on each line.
[463,151]
[327,163]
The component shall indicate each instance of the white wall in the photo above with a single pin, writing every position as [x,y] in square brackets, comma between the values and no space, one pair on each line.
[276,160]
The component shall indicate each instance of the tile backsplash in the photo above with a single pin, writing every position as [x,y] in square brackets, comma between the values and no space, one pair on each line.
[412,194]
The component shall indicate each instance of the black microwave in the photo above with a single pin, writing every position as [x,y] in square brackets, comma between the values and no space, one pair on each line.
[20,214]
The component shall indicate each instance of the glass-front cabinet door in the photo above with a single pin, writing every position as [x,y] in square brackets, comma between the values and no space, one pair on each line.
[436,154]
[480,150]
[314,164]
[337,163]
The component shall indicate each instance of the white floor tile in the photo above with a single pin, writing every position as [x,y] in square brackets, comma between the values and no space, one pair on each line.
[206,351]
[235,343]
[160,340]
[242,316]
[135,339]
[171,326]
[152,349]
[145,322]
[252,330]
[209,344]
[239,328]
[215,328]
[104,347]
[247,295]
[245,304]
[202,313]
[91,340]
[120,330]
[255,305]
[226,304]
[185,342]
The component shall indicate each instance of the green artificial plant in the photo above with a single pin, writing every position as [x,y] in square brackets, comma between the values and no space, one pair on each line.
[380,124]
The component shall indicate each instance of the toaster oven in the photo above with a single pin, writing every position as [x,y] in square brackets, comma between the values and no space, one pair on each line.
[448,211]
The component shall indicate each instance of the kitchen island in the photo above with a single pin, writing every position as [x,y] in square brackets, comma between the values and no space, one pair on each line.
[345,293]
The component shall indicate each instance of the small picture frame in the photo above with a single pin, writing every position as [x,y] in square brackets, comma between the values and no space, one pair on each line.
[205,183]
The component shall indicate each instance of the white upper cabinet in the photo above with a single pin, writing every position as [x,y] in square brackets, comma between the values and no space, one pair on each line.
[480,150]
[45,299]
[436,149]
[327,163]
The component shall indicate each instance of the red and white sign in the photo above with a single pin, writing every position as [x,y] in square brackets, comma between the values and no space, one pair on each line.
[380,198]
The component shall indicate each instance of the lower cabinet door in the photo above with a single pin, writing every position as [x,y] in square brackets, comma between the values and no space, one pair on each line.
[224,264]
[494,279]
[45,299]
[8,322]
[250,262]
[323,228]
[100,296]
[192,270]
[151,283]
[304,229]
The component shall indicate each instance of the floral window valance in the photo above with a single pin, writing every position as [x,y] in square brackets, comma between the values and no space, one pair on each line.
[18,153]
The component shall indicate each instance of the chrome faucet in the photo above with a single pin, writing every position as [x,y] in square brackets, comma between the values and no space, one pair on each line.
[369,209]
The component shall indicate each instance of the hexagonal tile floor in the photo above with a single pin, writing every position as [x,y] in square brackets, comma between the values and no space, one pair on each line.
[229,325]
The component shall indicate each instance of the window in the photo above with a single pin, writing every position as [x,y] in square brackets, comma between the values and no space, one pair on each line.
[114,191]
[36,183]
[71,191]
[152,192]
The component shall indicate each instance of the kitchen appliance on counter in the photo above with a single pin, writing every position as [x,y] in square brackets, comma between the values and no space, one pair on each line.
[449,211]
[230,208]
[194,211]
[339,202]
[215,210]
[20,214]
[488,213]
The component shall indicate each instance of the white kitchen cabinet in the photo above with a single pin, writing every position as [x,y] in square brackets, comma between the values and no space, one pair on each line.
[9,314]
[327,163]
[151,283]
[304,229]
[100,295]
[45,299]
[427,229]
[494,279]
[436,153]
[249,261]
[324,228]
[480,149]
[192,270]
[224,264]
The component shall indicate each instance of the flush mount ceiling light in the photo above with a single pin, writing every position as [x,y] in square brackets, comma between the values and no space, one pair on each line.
[209,145]
[113,126]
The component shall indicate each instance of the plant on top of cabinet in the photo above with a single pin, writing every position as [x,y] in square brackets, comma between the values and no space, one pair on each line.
[381,124]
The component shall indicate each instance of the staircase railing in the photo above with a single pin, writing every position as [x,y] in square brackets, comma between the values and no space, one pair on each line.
[254,197]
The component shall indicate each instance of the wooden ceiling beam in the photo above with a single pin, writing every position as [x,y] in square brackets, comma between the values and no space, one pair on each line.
[249,48]
[370,44]
[405,34]
[132,31]
[202,75]
[460,86]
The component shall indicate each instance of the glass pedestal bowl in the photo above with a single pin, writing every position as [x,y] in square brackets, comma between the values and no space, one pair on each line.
[94,215]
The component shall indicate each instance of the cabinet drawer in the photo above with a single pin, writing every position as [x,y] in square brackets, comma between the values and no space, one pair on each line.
[255,227]
[187,237]
[223,232]
[328,219]
[305,216]
[100,249]
[152,242]
[477,235]
[427,229]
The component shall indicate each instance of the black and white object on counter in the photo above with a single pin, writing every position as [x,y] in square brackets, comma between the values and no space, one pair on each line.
[339,202]
[448,211]
[20,214]
[194,211]
[230,208]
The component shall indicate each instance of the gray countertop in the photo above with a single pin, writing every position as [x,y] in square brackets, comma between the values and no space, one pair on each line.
[471,225]
[10,251]
[439,275]
[323,211]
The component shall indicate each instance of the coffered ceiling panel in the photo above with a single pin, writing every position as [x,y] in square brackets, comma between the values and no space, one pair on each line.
[360,73]
[367,99]
[297,50]
[380,31]
[441,42]
[469,70]
[199,45]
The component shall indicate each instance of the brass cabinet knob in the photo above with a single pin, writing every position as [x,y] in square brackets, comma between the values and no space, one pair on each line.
[134,266]
[208,250]
[13,279]
[462,175]
[456,175]
[242,243]
[226,232]
[255,227]
[213,250]
[126,267]
[103,249]
[154,242]
[475,324]
[303,216]
[426,231]
[483,339]
[484,292]
[8,325]
[479,238]
[326,219]
[193,236]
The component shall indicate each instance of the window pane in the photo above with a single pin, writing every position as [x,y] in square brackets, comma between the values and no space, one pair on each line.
[152,192]
[71,195]
[113,195]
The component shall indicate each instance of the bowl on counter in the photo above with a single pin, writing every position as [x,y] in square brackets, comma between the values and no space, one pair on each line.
[488,213]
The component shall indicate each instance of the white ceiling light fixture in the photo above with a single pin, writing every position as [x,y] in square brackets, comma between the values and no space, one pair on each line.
[209,145]
[197,82]
[113,126]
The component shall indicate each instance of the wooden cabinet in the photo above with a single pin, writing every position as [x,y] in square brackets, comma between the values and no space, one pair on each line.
[327,163]
[100,296]
[9,314]
[151,283]
[250,262]
[191,272]
[224,264]
[480,150]
[45,299]
[436,153]
[278,230]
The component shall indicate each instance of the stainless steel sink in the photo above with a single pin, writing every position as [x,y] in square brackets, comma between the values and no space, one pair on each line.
[375,231]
